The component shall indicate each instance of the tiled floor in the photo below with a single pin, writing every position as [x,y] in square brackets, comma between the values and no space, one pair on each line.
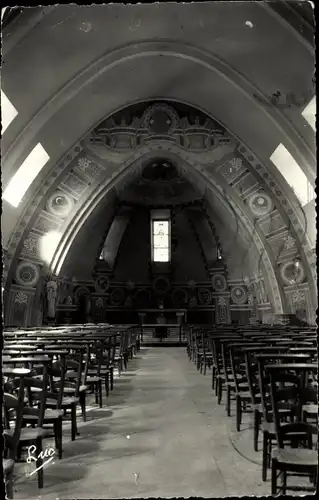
[161,434]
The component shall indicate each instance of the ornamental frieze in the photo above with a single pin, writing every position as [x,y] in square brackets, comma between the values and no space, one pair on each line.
[159,120]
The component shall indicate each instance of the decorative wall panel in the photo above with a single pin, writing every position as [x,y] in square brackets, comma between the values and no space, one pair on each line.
[222,310]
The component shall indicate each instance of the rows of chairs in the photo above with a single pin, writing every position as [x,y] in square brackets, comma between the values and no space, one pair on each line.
[270,372]
[47,374]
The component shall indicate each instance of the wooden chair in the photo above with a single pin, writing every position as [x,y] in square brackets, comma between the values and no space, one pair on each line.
[210,346]
[71,388]
[242,394]
[220,377]
[12,403]
[253,384]
[206,359]
[107,365]
[229,379]
[118,355]
[267,425]
[298,459]
[52,418]
[35,435]
[126,348]
[93,377]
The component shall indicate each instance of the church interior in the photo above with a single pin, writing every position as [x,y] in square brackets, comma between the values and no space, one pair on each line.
[158,227]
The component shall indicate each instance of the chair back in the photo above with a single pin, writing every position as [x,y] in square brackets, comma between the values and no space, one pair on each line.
[285,393]
[57,372]
[13,411]
[73,374]
[252,375]
[237,362]
[38,382]
[95,357]
[225,360]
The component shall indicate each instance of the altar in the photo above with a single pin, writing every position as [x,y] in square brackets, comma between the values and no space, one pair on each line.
[171,316]
[162,321]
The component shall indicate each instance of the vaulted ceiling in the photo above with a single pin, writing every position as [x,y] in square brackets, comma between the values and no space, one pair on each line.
[244,66]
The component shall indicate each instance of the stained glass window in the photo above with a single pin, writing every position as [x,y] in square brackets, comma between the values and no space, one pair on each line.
[160,241]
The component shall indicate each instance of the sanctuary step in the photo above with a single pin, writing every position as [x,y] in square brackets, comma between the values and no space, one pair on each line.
[172,339]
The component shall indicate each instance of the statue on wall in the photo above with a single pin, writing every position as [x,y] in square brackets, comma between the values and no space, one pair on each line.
[51,289]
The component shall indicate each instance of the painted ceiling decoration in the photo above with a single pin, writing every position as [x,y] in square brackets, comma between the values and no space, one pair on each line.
[211,146]
[232,173]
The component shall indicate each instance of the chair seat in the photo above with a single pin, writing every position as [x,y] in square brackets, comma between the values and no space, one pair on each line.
[30,433]
[50,414]
[257,407]
[268,427]
[296,457]
[67,401]
[92,379]
[310,409]
[71,390]
[7,465]
[244,393]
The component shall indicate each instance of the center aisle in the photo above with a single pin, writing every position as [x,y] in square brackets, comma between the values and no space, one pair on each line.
[161,434]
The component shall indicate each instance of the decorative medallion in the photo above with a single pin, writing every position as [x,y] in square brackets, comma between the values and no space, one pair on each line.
[21,298]
[27,274]
[292,272]
[160,119]
[161,285]
[204,296]
[260,204]
[238,294]
[299,298]
[179,297]
[101,284]
[89,168]
[84,163]
[236,163]
[290,242]
[117,297]
[219,283]
[60,204]
[30,245]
